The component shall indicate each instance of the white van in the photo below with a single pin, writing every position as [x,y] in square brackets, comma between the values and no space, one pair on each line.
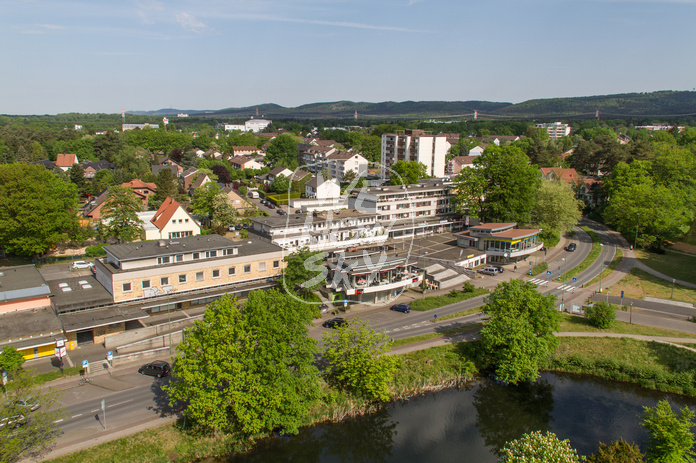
[254,194]
[490,271]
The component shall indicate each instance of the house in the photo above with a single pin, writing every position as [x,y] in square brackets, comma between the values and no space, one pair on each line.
[185,267]
[560,174]
[342,162]
[165,160]
[415,145]
[244,150]
[27,319]
[315,157]
[91,168]
[187,177]
[276,171]
[170,221]
[456,164]
[159,168]
[92,210]
[141,189]
[501,242]
[477,150]
[239,203]
[66,160]
[322,189]
[244,162]
[46,163]
[555,130]
[200,180]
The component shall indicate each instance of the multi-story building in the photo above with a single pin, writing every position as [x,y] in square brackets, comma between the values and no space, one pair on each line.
[407,210]
[501,242]
[555,130]
[342,162]
[252,125]
[322,189]
[315,157]
[325,230]
[415,145]
[170,221]
[456,164]
[136,271]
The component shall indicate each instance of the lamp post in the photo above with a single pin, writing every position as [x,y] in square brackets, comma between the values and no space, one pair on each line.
[635,242]
[673,281]
[601,264]
[563,293]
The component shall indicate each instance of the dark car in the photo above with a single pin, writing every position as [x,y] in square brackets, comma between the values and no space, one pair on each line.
[571,247]
[270,206]
[335,323]
[281,212]
[158,368]
[405,308]
[298,211]
[324,308]
[13,421]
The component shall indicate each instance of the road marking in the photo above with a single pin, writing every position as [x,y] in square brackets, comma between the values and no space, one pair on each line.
[120,403]
[95,410]
[58,421]
[75,416]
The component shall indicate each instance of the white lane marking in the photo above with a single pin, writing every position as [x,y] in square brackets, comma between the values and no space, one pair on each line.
[58,421]
[120,403]
[75,416]
[95,410]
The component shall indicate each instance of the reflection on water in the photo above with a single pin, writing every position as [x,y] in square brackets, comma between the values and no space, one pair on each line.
[471,425]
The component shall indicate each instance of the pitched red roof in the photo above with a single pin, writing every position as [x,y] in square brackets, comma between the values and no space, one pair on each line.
[66,159]
[137,183]
[164,213]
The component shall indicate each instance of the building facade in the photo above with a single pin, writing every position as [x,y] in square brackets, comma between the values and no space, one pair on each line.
[555,130]
[415,145]
[342,162]
[501,242]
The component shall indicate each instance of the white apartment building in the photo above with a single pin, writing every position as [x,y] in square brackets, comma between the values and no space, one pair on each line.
[407,210]
[342,162]
[415,145]
[322,189]
[328,230]
[315,157]
[555,130]
[252,125]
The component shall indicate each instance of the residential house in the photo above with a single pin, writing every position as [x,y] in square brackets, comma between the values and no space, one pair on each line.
[66,160]
[137,271]
[556,130]
[415,145]
[244,150]
[165,160]
[200,180]
[322,189]
[170,221]
[46,163]
[159,168]
[456,164]
[91,168]
[143,190]
[92,210]
[276,171]
[477,150]
[501,242]
[315,157]
[560,174]
[342,162]
[239,203]
[244,162]
[187,177]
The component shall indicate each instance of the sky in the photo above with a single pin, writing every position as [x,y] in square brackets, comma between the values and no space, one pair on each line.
[99,56]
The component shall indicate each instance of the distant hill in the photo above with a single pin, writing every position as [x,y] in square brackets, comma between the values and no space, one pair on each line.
[664,104]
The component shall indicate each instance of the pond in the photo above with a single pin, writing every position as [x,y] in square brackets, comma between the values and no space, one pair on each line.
[471,424]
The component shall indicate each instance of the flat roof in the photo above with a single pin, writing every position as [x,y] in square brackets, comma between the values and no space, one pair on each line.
[156,248]
[81,292]
[22,325]
[21,282]
[409,189]
[516,233]
[493,226]
[309,218]
[87,319]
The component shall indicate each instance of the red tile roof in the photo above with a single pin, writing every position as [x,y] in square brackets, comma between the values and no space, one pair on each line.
[164,213]
[66,159]
[137,183]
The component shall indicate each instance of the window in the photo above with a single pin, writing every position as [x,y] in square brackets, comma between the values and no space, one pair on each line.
[145,284]
[173,220]
[180,220]
[162,260]
[262,266]
[247,268]
[164,281]
[127,287]
[185,220]
[210,253]
[276,264]
[182,279]
[200,276]
[196,255]
[216,273]
[232,271]
[179,257]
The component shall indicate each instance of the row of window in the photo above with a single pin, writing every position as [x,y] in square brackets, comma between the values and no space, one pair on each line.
[197,255]
[200,276]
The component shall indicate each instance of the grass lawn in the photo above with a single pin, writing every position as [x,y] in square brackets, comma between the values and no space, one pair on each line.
[618,257]
[441,334]
[679,266]
[639,284]
[433,302]
[575,323]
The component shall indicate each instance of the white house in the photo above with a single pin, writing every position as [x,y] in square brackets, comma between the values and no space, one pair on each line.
[342,162]
[170,221]
[476,150]
[320,188]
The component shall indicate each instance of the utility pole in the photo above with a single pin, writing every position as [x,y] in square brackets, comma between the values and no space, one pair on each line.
[563,294]
[635,242]
[601,265]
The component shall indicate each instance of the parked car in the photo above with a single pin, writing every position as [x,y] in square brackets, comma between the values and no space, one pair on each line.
[12,421]
[298,211]
[489,271]
[324,308]
[158,368]
[81,264]
[405,308]
[281,212]
[28,404]
[271,206]
[571,247]
[500,269]
[335,323]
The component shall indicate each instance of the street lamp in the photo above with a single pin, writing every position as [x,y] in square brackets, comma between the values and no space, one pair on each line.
[601,264]
[563,294]
[635,242]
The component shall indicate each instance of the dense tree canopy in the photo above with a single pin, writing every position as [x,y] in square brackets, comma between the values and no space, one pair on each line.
[282,151]
[248,371]
[120,212]
[671,439]
[519,333]
[556,210]
[537,447]
[37,209]
[407,173]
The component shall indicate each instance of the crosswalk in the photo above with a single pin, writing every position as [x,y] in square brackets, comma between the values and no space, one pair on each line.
[540,282]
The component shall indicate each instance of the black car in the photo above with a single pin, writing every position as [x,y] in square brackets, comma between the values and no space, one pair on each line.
[335,323]
[405,308]
[271,206]
[500,269]
[158,368]
[571,247]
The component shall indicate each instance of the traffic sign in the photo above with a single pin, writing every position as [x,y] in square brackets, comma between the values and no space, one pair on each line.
[85,364]
[110,355]
[548,272]
[575,280]
[4,378]
[621,293]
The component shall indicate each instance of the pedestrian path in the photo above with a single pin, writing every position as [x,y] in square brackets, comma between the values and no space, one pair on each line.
[539,281]
[567,288]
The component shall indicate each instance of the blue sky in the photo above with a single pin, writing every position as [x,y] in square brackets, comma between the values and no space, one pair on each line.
[100,56]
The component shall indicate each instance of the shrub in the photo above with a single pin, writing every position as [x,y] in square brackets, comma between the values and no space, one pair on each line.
[601,315]
[468,287]
[95,251]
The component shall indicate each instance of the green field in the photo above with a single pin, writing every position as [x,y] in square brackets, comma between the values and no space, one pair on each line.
[675,265]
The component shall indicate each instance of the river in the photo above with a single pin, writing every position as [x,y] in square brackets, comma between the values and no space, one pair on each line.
[469,425]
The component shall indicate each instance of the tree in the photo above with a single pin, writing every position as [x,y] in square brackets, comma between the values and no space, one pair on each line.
[37,209]
[349,176]
[40,431]
[103,179]
[519,333]
[671,439]
[203,197]
[502,188]
[222,210]
[618,451]
[222,173]
[601,315]
[77,177]
[167,186]
[304,270]
[537,447]
[120,212]
[282,151]
[357,360]
[11,360]
[248,371]
[407,173]
[281,184]
[556,209]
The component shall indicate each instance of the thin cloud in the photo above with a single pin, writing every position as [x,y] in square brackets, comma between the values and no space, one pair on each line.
[188,21]
[330,23]
[42,29]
